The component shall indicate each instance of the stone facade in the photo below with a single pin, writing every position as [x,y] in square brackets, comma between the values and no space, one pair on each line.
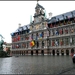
[46,37]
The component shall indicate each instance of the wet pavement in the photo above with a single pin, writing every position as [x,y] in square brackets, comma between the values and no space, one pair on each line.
[37,65]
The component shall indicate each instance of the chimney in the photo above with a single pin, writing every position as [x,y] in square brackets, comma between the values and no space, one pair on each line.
[50,15]
[19,25]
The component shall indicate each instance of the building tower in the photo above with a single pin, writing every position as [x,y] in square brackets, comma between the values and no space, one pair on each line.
[39,13]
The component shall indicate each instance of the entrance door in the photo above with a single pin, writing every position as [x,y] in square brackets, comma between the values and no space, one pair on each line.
[42,52]
[37,52]
[53,52]
[24,52]
[62,52]
[67,52]
[72,50]
[57,52]
[31,52]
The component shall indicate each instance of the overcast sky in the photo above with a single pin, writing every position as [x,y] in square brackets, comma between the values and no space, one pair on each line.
[14,12]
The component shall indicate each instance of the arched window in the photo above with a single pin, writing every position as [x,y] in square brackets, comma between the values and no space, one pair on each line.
[53,42]
[72,50]
[67,41]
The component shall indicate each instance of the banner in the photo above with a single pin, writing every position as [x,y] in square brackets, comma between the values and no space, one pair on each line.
[61,31]
[56,32]
[52,43]
[61,42]
[66,30]
[18,38]
[72,30]
[56,43]
[71,40]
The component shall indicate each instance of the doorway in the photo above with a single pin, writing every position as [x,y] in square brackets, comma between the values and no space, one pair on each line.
[37,52]
[42,52]
[31,52]
[67,52]
[53,52]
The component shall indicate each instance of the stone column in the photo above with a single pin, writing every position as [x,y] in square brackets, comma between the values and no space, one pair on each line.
[39,52]
[40,44]
[64,41]
[60,51]
[34,52]
[45,34]
[45,52]
[46,43]
[64,51]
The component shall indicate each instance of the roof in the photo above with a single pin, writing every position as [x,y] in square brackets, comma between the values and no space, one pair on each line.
[25,27]
[73,13]
[62,16]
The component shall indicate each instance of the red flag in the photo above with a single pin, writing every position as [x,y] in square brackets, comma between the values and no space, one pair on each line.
[52,43]
[66,30]
[18,38]
[60,31]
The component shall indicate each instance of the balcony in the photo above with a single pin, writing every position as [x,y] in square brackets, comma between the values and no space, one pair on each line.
[64,35]
[68,46]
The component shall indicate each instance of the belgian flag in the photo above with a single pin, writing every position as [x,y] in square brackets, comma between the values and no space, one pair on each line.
[32,43]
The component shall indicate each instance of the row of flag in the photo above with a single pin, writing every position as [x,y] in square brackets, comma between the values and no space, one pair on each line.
[60,31]
[35,37]
[16,39]
[55,42]
[60,23]
[19,45]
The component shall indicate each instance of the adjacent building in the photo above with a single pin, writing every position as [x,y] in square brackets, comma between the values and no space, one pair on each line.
[6,46]
[43,36]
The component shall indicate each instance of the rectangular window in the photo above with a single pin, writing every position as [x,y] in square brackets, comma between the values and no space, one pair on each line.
[27,45]
[45,34]
[42,44]
[66,30]
[53,42]
[61,42]
[66,41]
[37,44]
[72,41]
[48,43]
[72,29]
[34,36]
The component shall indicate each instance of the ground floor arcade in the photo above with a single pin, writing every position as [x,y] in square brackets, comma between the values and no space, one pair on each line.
[44,52]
